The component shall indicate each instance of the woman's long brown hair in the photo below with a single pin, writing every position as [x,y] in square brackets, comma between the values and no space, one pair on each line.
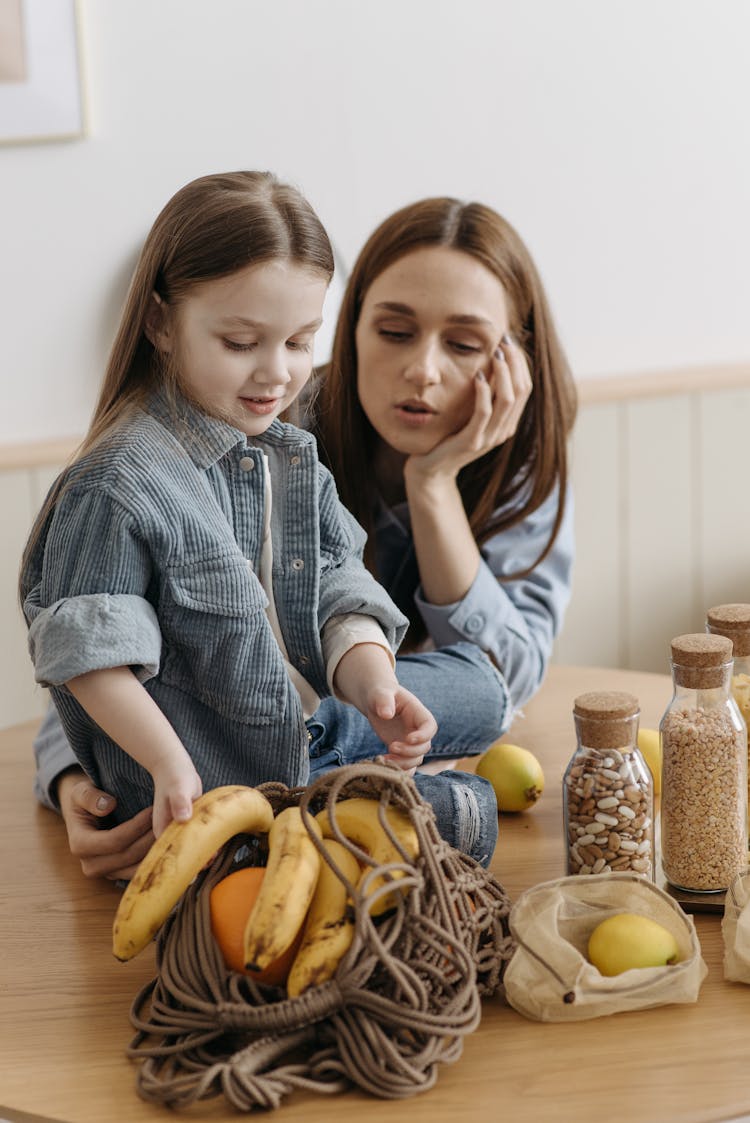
[505,485]
[212,227]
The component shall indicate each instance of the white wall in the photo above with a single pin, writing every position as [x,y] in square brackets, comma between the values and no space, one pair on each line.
[612,133]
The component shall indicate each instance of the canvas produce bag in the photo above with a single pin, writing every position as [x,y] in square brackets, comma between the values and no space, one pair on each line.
[549,977]
[735,929]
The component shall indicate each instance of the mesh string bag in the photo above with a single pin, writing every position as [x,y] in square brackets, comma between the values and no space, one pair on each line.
[402,1000]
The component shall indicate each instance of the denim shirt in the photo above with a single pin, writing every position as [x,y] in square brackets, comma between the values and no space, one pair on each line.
[148,560]
[514,621]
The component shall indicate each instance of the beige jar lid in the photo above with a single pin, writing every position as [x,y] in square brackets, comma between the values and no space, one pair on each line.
[733,621]
[605,719]
[698,659]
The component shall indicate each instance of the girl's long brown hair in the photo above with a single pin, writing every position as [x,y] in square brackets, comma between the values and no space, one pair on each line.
[212,227]
[505,485]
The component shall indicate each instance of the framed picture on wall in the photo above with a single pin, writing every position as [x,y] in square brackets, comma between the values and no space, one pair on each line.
[40,75]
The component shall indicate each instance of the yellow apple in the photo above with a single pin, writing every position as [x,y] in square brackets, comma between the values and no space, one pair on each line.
[515,774]
[629,940]
[650,746]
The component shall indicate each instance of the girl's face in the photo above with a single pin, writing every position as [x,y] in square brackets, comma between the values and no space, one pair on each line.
[428,323]
[244,343]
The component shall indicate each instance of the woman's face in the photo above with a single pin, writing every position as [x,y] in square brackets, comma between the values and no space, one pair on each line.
[428,323]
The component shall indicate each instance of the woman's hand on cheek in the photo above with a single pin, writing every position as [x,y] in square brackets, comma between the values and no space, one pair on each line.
[403,724]
[510,382]
[500,397]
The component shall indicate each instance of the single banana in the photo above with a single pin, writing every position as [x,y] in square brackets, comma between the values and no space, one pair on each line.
[358,819]
[329,928]
[177,855]
[292,872]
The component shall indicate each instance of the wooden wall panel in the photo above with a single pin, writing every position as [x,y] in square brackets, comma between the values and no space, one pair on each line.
[660,481]
[593,629]
[40,481]
[723,531]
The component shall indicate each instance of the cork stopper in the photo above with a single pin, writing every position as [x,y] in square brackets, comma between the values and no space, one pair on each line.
[733,621]
[606,719]
[699,659]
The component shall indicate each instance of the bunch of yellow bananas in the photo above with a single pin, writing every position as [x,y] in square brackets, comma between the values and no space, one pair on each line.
[300,893]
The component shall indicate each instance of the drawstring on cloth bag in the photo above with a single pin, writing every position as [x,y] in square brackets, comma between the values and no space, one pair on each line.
[403,998]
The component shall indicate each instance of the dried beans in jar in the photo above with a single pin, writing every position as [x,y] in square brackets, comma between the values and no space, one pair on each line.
[608,791]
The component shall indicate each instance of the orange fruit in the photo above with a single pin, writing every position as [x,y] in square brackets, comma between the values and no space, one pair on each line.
[230,902]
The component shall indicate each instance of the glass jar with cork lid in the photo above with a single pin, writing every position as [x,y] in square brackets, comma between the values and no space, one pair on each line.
[704,769]
[733,621]
[608,791]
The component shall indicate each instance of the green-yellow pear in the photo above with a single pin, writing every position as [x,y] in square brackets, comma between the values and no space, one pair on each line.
[629,940]
[515,774]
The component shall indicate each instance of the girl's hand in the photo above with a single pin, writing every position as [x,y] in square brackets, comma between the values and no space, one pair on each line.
[365,678]
[175,787]
[402,723]
[500,398]
[115,853]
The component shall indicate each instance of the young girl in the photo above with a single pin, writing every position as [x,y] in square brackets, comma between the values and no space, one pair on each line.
[192,584]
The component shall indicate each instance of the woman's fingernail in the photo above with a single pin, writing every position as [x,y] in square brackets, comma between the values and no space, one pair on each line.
[499,355]
[507,339]
[480,376]
[103,802]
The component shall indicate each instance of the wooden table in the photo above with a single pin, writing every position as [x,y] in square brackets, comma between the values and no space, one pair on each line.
[65,1000]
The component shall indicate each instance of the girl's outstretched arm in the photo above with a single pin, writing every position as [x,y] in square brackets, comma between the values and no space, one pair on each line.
[121,706]
[365,678]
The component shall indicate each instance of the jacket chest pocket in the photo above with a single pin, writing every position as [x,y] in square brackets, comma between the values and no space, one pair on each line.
[218,646]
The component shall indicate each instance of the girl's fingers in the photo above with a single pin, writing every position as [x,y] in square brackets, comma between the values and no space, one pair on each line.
[420,721]
[181,807]
[384,704]
[423,732]
[404,756]
[424,727]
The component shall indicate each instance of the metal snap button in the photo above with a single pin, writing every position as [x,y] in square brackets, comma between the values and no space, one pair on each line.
[298,564]
[247,463]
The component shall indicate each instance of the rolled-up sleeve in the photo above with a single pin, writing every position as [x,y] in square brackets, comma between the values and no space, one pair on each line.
[342,633]
[514,621]
[94,632]
[88,608]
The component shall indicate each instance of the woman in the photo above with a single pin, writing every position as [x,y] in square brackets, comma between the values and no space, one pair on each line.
[444,416]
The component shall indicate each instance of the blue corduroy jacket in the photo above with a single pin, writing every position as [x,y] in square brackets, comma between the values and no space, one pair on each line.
[148,560]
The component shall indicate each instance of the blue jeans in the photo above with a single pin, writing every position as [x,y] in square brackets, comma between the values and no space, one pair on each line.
[471,705]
